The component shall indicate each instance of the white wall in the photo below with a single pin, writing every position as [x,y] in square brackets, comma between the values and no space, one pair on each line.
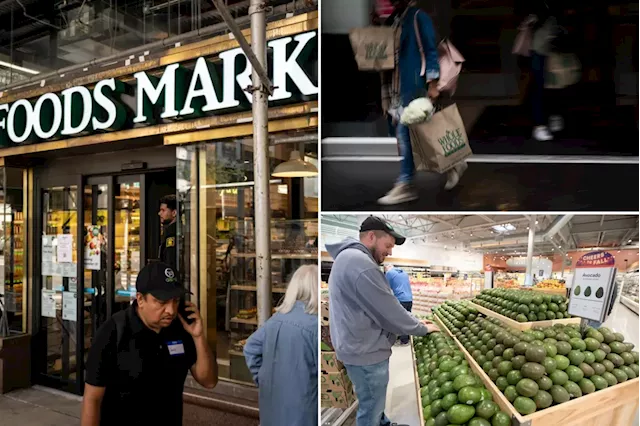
[340,16]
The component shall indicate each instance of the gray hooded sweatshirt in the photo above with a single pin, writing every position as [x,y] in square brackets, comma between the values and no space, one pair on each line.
[364,315]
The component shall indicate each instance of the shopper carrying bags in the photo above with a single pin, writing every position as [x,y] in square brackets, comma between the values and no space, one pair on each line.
[365,316]
[282,355]
[416,74]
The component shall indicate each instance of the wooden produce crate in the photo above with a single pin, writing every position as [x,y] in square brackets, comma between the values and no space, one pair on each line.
[416,380]
[524,325]
[613,406]
[557,291]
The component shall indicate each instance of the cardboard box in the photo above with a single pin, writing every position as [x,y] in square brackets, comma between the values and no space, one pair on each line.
[335,381]
[330,363]
[325,338]
[324,312]
[336,398]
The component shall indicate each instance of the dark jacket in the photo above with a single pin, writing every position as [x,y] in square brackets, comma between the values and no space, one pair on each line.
[168,246]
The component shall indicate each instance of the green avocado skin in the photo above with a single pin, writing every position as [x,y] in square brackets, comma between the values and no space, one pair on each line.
[587,292]
[600,293]
[577,291]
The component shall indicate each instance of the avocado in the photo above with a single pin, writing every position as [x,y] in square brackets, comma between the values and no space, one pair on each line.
[460,414]
[573,389]
[487,409]
[524,405]
[527,387]
[532,370]
[518,361]
[598,368]
[620,375]
[587,292]
[600,293]
[631,374]
[577,291]
[599,382]
[543,399]
[559,394]
[559,377]
[615,359]
[513,377]
[544,383]
[535,353]
[587,370]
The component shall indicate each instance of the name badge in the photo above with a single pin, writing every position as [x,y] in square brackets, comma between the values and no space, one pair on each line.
[176,348]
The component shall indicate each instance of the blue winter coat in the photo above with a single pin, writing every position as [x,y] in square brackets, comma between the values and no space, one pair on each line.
[412,85]
[282,356]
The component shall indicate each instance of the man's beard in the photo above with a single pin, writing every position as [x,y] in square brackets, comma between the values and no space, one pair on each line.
[374,253]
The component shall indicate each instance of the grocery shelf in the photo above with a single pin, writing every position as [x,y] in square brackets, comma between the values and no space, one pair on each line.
[524,325]
[615,405]
[629,304]
[417,382]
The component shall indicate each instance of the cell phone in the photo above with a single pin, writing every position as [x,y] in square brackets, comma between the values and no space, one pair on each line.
[182,310]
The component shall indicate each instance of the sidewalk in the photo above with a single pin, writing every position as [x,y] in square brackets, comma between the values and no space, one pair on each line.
[39,407]
[36,407]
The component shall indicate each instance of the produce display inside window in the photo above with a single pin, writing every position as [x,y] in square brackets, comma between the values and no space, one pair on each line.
[508,279]
[522,305]
[630,295]
[451,393]
[541,367]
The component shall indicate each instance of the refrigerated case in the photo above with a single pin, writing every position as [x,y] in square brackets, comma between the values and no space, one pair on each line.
[629,291]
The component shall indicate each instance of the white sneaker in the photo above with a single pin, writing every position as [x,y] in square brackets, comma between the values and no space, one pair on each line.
[454,175]
[541,134]
[556,123]
[400,193]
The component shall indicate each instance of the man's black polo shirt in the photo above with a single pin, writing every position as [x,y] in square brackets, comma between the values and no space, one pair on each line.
[143,380]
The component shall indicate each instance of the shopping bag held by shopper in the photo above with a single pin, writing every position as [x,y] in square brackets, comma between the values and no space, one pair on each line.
[524,38]
[373,48]
[562,70]
[449,59]
[441,142]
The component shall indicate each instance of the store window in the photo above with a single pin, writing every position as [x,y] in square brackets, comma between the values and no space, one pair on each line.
[216,196]
[14,251]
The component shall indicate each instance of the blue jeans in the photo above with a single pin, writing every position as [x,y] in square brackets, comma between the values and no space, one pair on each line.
[401,133]
[371,383]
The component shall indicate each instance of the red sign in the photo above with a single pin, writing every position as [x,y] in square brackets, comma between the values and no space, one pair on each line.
[596,259]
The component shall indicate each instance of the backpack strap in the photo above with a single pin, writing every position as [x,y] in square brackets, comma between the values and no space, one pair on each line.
[423,59]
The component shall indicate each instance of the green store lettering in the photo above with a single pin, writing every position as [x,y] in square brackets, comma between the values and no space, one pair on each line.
[376,51]
[177,93]
[453,141]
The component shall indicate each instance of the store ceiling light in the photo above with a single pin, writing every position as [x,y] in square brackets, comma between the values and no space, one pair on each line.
[507,227]
[296,167]
[19,68]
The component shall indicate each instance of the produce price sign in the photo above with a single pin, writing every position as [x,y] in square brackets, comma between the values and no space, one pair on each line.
[592,285]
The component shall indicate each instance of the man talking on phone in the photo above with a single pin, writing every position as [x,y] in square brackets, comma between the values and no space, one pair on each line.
[140,357]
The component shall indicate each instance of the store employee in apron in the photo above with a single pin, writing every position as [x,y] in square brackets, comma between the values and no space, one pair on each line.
[140,357]
[168,216]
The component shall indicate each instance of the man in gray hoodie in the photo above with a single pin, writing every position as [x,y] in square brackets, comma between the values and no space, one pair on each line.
[365,317]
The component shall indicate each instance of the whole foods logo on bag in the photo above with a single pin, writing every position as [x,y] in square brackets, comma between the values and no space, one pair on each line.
[376,50]
[452,141]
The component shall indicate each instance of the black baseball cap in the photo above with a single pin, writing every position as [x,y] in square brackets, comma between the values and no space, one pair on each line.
[161,281]
[374,223]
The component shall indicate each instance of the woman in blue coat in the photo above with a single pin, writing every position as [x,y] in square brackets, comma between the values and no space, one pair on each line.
[282,355]
[406,83]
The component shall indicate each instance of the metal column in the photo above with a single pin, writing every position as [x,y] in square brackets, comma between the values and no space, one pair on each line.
[261,168]
[528,279]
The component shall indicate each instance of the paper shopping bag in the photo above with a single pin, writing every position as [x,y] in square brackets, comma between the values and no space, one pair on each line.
[562,70]
[373,48]
[440,143]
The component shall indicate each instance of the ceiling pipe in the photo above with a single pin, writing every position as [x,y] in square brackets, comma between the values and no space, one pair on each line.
[555,227]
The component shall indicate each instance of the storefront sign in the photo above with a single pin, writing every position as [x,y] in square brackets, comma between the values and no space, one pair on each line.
[592,286]
[178,93]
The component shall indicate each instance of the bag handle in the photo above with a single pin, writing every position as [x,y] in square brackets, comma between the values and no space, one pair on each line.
[423,59]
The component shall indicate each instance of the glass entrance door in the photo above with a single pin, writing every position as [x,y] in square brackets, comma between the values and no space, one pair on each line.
[58,330]
[75,301]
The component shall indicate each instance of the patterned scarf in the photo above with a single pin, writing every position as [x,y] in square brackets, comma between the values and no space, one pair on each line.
[390,80]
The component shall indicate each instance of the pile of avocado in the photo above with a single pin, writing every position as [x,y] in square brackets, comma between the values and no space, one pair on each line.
[541,367]
[451,393]
[523,305]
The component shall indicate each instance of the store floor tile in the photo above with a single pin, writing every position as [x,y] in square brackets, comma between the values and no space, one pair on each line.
[355,186]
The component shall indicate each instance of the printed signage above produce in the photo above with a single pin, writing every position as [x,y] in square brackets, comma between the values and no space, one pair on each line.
[592,285]
[179,93]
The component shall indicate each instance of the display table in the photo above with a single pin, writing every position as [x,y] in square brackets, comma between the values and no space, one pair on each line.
[614,406]
[524,325]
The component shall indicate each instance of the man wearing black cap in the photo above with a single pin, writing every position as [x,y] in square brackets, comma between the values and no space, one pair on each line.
[140,357]
[365,316]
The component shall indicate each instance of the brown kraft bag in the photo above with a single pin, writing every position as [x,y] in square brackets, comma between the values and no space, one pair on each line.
[373,48]
[440,143]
